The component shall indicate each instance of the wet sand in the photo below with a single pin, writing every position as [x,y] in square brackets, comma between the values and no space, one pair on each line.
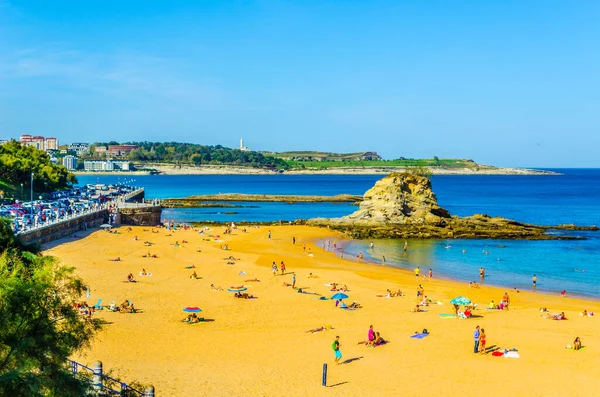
[260,347]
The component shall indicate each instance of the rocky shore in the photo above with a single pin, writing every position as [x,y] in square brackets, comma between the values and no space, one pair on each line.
[403,205]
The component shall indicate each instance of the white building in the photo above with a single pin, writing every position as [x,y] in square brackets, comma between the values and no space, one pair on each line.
[242,147]
[80,148]
[70,162]
[109,165]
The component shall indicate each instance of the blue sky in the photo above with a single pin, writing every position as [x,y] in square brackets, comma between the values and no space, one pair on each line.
[509,83]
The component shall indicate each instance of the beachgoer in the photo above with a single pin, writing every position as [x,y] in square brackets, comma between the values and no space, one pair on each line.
[476,335]
[282,267]
[456,310]
[269,234]
[130,278]
[505,300]
[534,280]
[383,259]
[293,240]
[360,256]
[585,313]
[417,272]
[482,341]
[430,274]
[371,337]
[274,267]
[481,273]
[293,280]
[372,246]
[143,272]
[563,293]
[577,344]
[405,245]
[336,350]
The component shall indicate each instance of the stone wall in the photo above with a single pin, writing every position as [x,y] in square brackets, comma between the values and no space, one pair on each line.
[142,215]
[64,228]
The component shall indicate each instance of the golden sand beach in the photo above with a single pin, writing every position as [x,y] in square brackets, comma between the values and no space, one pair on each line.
[260,347]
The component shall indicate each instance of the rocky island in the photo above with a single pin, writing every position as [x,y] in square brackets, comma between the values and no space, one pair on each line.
[403,205]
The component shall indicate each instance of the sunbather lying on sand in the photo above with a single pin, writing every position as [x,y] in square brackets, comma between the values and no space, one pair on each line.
[253,280]
[212,286]
[355,305]
[117,259]
[130,278]
[318,329]
[310,275]
[191,267]
[243,296]
[416,309]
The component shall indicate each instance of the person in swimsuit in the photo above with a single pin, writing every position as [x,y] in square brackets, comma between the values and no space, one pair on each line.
[371,337]
[534,280]
[482,341]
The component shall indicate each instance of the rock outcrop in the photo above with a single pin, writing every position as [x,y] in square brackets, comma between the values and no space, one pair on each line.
[403,205]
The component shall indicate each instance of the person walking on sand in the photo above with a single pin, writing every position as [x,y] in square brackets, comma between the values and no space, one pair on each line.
[336,349]
[282,266]
[476,336]
[294,280]
[430,274]
[293,240]
[482,341]
[274,267]
[360,257]
[417,272]
[534,280]
[269,234]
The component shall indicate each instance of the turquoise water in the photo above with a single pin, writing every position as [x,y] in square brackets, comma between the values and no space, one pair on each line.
[570,198]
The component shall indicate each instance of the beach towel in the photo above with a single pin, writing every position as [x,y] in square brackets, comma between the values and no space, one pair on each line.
[492,308]
[571,348]
[420,311]
[512,354]
[419,336]
[447,315]
[147,274]
[497,353]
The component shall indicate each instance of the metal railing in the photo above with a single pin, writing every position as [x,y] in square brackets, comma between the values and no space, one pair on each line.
[105,383]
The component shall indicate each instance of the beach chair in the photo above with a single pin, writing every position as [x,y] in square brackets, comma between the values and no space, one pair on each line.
[98,305]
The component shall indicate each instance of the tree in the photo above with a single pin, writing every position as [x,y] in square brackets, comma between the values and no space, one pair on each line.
[40,328]
[419,169]
[196,159]
[436,160]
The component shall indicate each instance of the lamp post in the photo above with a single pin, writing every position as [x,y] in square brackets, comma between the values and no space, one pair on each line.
[21,191]
[31,195]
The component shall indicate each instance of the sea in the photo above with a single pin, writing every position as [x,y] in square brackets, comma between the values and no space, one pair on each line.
[572,197]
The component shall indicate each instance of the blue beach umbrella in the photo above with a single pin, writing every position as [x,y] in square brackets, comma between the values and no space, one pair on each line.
[339,295]
[460,300]
[192,309]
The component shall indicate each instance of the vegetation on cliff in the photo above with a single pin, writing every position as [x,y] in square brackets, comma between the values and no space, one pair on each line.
[17,162]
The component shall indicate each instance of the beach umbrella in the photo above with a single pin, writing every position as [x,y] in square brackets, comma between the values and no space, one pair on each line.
[241,288]
[106,225]
[460,300]
[192,309]
[339,295]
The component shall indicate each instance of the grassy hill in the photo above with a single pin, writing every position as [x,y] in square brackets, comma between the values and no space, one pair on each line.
[443,163]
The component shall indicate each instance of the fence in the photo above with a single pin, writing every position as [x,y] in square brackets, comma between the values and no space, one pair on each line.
[104,383]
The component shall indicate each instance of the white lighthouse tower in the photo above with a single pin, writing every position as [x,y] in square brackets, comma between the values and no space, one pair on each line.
[242,147]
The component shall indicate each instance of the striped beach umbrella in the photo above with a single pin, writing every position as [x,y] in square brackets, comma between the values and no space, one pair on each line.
[240,288]
[192,309]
